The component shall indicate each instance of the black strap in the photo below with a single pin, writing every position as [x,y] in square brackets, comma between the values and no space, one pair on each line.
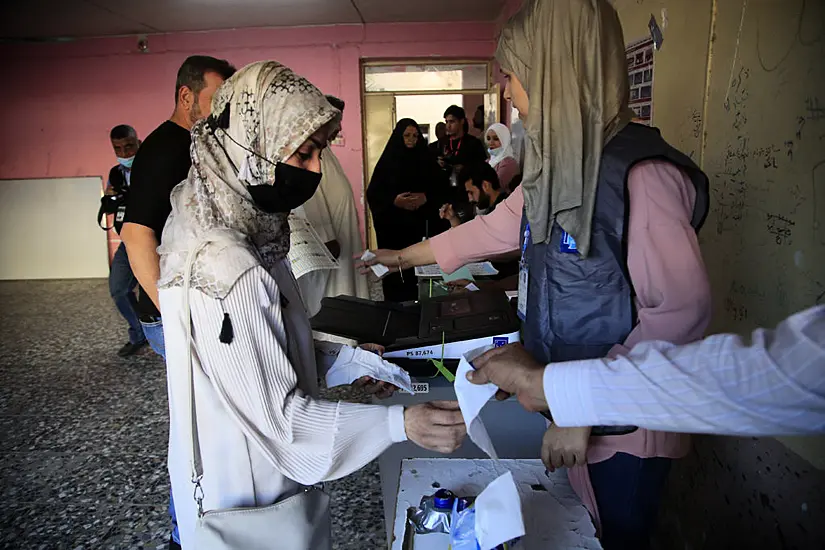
[101,215]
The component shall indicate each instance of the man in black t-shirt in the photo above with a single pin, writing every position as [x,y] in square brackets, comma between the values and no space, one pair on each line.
[161,163]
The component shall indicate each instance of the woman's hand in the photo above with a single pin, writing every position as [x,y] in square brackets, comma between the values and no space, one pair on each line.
[418,200]
[377,349]
[436,426]
[405,201]
[388,258]
[377,388]
[564,447]
[370,385]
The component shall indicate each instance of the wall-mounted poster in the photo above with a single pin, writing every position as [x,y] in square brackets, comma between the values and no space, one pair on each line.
[640,75]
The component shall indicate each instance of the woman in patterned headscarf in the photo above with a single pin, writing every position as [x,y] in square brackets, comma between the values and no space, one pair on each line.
[262,432]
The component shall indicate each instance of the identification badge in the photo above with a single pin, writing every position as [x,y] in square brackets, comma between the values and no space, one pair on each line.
[523,282]
[121,213]
[523,276]
[567,244]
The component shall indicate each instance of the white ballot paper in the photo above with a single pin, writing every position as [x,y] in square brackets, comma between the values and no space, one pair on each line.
[477,269]
[498,513]
[379,269]
[471,399]
[353,363]
[306,251]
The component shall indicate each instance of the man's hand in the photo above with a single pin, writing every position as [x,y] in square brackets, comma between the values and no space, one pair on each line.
[437,426]
[564,447]
[448,213]
[142,249]
[514,371]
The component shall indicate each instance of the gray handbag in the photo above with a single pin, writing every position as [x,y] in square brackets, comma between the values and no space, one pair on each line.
[298,522]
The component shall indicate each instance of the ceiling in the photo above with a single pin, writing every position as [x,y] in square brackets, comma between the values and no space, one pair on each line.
[48,19]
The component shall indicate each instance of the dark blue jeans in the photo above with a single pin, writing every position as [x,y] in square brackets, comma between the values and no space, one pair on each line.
[628,490]
[122,283]
[154,334]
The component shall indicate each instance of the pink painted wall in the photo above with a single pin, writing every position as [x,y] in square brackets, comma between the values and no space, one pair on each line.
[61,99]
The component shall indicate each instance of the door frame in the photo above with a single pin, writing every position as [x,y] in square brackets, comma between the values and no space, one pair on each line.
[369,231]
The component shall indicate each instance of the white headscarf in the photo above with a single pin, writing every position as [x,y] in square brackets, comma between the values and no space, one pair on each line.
[506,148]
[570,57]
[272,111]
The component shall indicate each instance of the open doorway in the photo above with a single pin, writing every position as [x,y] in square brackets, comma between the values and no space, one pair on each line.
[421,91]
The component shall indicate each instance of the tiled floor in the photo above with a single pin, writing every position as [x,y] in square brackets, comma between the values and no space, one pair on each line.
[83,433]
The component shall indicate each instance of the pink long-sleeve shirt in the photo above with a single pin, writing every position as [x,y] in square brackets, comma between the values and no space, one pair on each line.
[673,299]
[506,170]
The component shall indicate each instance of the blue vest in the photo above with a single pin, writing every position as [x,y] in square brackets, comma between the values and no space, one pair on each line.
[579,308]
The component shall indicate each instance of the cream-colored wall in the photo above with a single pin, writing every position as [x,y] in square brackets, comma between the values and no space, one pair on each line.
[763,115]
[740,86]
[680,66]
[48,229]
[425,109]
[765,154]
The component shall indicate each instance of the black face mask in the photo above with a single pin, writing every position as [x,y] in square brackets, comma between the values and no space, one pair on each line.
[293,187]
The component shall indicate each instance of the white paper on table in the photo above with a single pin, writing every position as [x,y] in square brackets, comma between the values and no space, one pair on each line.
[472,287]
[307,253]
[477,269]
[379,269]
[498,513]
[353,363]
[471,399]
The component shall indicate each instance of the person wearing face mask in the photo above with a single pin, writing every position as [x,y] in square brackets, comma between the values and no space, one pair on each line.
[122,281]
[606,223]
[405,192]
[501,153]
[162,162]
[238,339]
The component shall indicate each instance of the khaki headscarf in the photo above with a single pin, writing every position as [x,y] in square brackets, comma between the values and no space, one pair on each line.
[570,57]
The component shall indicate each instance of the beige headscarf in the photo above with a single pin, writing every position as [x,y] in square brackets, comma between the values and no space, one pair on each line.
[570,57]
[272,112]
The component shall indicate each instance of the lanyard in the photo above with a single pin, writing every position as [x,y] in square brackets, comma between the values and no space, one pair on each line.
[450,150]
[526,239]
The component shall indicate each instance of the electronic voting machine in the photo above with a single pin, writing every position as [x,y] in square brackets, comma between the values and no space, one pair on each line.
[413,333]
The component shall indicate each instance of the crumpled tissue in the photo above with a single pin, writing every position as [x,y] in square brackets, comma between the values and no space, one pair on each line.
[498,513]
